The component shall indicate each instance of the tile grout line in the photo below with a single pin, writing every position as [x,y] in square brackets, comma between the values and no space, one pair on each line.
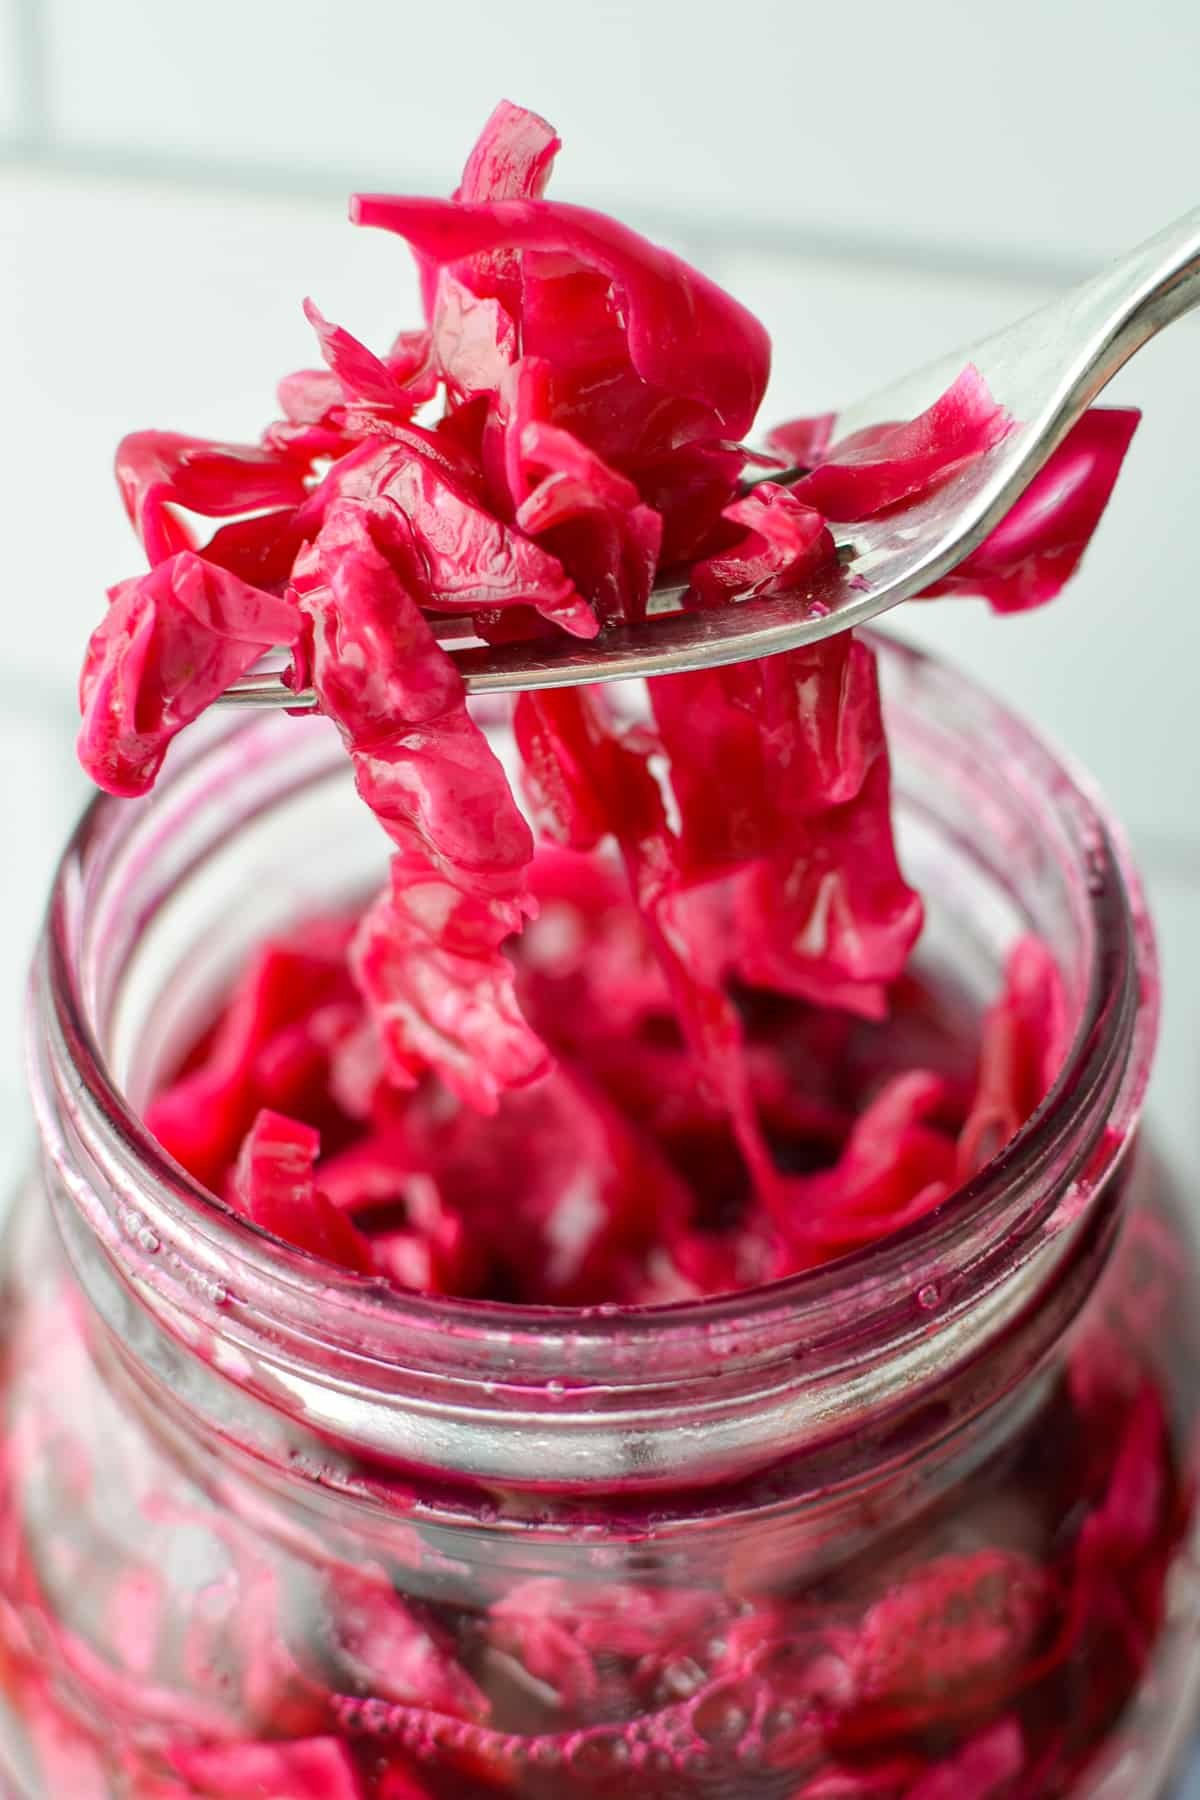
[33,76]
[42,151]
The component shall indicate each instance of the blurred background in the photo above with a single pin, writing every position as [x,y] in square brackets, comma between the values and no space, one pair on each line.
[879,182]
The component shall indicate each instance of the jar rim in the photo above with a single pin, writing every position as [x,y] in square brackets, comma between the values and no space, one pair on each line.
[1109,1056]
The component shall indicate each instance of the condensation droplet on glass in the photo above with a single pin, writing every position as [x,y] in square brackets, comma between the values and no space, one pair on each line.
[929,1296]
[378,1716]
[555,1390]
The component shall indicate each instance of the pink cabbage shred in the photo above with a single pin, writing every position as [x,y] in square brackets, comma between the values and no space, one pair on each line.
[582,399]
[648,1047]
[583,396]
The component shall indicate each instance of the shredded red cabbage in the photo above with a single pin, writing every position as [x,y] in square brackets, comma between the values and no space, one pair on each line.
[679,1135]
[664,1048]
[303,1769]
[884,464]
[783,542]
[1035,550]
[274,1184]
[160,471]
[594,392]
[171,642]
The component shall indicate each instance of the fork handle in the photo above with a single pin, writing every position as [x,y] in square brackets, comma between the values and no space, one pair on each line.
[1121,308]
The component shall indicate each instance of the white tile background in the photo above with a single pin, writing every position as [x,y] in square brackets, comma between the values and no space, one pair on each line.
[878,181]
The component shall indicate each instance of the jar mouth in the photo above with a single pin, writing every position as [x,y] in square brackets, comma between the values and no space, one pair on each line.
[985,1227]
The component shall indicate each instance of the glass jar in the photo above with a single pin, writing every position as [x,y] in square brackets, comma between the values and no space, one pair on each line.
[918,1523]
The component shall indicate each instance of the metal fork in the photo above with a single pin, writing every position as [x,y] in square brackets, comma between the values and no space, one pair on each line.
[1046,369]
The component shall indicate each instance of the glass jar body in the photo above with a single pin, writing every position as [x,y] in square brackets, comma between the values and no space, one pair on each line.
[1015,1608]
[917,1525]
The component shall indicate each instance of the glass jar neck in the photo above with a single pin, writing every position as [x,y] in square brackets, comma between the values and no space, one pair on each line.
[156,901]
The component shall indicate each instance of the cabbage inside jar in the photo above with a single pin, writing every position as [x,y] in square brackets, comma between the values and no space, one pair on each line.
[914,1519]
